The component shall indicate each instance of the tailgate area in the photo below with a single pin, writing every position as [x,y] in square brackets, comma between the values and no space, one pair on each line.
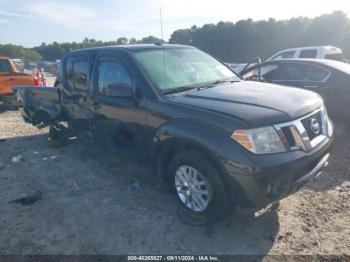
[39,106]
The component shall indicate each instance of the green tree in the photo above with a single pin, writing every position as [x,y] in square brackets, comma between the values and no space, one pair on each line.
[151,40]
[122,41]
[14,51]
[247,39]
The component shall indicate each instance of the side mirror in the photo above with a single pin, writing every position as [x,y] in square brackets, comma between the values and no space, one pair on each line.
[122,90]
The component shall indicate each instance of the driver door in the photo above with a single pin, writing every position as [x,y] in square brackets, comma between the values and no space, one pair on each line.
[118,122]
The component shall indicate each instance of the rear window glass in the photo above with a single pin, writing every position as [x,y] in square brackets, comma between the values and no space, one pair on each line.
[69,73]
[311,53]
[313,73]
[5,66]
[80,74]
[284,55]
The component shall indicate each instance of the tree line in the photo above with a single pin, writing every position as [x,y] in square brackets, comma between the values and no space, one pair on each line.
[247,39]
[231,42]
[51,52]
[17,51]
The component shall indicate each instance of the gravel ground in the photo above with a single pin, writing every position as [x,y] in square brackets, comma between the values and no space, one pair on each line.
[85,205]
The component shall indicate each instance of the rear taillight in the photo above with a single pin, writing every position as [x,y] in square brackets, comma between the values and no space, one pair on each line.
[36,81]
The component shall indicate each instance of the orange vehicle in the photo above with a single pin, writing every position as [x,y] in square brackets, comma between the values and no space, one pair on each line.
[9,77]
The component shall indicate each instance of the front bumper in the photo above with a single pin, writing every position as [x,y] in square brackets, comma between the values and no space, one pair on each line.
[255,181]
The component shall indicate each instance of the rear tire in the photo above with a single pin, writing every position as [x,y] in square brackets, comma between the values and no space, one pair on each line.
[195,179]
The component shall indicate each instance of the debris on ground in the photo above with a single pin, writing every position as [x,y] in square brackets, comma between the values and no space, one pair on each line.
[134,187]
[17,159]
[313,222]
[339,188]
[27,200]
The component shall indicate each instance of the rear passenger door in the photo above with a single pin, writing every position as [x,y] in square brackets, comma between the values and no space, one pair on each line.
[75,92]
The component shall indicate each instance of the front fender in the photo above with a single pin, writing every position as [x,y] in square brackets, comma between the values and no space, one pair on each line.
[188,132]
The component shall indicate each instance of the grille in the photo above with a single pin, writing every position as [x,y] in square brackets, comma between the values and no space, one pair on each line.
[289,136]
[307,123]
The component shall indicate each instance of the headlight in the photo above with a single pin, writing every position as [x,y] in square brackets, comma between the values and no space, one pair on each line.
[259,140]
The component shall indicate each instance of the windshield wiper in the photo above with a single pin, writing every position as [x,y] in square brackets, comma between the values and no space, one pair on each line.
[179,89]
[217,82]
[198,86]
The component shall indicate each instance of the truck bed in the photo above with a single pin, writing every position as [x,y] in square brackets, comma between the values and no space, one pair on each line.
[39,106]
[9,77]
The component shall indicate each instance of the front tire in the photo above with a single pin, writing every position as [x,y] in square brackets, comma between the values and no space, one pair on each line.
[198,186]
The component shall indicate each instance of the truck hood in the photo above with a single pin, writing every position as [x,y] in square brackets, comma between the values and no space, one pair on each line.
[253,102]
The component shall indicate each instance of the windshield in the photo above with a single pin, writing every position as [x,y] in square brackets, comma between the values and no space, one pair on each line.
[5,66]
[170,69]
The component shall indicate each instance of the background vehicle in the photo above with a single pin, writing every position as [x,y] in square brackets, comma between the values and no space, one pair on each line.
[313,52]
[327,77]
[9,77]
[219,141]
[319,52]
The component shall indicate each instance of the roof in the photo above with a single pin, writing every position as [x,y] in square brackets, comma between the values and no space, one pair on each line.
[135,47]
[305,60]
[341,66]
[312,47]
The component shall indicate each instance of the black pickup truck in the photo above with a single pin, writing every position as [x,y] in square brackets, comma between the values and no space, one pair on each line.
[219,141]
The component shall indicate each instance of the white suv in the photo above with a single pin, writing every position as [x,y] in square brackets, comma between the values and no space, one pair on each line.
[319,52]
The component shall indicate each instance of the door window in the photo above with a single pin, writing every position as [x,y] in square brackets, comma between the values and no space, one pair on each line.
[69,73]
[284,55]
[5,66]
[310,53]
[77,73]
[290,72]
[111,72]
[80,75]
[313,73]
[301,72]
[267,72]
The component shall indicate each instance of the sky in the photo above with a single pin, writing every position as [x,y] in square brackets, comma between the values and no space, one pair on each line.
[31,22]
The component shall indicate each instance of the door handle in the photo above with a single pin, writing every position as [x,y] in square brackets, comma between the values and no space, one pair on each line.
[11,79]
[313,87]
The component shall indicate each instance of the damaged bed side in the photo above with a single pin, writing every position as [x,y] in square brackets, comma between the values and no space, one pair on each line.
[40,106]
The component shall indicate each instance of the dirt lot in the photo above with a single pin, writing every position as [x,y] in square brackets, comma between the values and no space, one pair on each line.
[86,207]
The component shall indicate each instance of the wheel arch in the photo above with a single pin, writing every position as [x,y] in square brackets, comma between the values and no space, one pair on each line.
[185,134]
[175,137]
